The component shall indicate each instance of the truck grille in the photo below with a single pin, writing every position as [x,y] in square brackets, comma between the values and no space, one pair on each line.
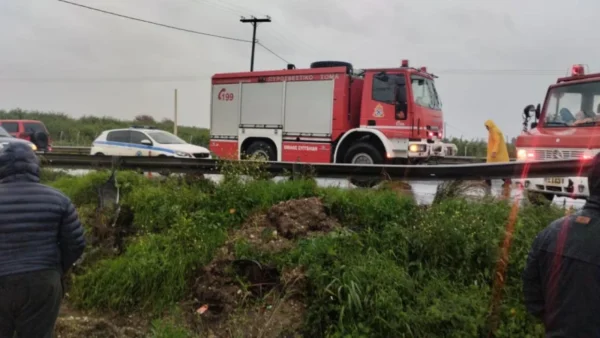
[557,154]
[201,155]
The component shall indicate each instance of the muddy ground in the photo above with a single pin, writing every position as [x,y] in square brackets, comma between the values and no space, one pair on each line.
[230,297]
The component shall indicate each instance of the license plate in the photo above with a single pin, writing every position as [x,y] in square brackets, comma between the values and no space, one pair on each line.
[555,180]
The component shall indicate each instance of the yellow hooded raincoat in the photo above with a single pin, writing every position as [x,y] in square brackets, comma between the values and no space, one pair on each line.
[496,144]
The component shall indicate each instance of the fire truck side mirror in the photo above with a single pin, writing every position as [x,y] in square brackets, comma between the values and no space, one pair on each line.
[527,111]
[538,111]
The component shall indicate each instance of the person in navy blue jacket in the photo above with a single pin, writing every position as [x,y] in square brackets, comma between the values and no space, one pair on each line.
[561,281]
[41,237]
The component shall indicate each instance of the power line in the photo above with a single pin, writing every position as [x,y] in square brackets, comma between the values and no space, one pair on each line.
[272,52]
[157,23]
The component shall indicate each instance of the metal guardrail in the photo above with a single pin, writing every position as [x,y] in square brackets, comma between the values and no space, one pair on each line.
[445,160]
[475,171]
[71,150]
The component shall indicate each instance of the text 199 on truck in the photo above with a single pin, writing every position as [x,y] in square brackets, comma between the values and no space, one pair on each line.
[328,113]
[566,127]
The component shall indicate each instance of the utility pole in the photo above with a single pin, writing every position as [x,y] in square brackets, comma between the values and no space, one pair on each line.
[175,115]
[254,21]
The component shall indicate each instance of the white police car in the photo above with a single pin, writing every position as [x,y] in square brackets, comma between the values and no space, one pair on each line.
[145,141]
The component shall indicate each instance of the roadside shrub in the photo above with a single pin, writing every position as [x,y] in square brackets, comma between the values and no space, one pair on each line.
[154,271]
[157,207]
[84,189]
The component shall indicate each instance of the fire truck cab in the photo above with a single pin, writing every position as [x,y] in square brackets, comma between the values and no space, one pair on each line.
[329,113]
[566,127]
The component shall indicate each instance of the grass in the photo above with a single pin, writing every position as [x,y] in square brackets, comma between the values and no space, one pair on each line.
[395,269]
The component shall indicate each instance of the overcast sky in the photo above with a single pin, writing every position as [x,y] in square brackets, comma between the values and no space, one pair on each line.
[59,57]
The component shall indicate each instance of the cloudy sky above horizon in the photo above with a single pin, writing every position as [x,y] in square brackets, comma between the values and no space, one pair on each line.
[492,57]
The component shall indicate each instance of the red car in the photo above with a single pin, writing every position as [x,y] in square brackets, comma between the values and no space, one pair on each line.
[30,130]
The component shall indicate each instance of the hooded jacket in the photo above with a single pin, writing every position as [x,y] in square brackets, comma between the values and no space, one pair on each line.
[496,143]
[561,281]
[39,226]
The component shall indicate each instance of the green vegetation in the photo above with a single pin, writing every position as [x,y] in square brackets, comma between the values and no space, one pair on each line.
[67,131]
[347,263]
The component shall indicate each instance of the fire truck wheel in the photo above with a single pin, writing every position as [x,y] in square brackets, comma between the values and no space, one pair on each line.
[262,149]
[364,154]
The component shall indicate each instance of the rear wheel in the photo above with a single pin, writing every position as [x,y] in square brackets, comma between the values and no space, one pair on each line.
[365,154]
[262,150]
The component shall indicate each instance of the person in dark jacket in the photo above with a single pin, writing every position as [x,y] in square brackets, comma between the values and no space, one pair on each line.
[561,281]
[41,237]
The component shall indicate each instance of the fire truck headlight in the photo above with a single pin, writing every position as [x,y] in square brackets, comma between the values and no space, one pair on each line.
[521,155]
[587,156]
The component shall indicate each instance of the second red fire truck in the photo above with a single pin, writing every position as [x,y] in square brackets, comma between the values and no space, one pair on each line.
[329,113]
[567,126]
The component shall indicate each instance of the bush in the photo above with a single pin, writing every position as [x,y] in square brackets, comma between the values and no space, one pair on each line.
[395,269]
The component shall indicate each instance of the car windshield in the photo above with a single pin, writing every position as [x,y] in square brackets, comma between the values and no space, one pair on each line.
[4,133]
[165,138]
[576,105]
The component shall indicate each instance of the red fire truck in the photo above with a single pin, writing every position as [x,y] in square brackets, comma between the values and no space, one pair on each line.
[329,113]
[566,127]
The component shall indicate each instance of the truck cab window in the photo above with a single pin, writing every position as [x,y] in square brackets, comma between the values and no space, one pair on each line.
[572,105]
[383,88]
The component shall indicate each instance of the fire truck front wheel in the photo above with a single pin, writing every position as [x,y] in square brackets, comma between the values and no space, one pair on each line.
[364,154]
[262,149]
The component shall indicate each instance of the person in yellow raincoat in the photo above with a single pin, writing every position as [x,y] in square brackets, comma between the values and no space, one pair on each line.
[496,150]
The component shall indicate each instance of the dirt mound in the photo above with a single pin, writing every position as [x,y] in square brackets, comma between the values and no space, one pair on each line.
[242,297]
[296,218]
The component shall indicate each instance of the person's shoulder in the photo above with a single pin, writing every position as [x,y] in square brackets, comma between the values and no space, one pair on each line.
[51,191]
[550,233]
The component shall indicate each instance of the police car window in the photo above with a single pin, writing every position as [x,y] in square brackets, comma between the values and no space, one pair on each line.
[118,136]
[137,137]
[11,127]
[165,138]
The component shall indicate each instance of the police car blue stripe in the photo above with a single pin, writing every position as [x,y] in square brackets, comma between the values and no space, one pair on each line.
[136,146]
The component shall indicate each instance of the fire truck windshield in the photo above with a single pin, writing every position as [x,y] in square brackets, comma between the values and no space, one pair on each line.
[573,105]
[424,93]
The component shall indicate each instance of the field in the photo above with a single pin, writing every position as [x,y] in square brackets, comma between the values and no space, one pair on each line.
[188,258]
